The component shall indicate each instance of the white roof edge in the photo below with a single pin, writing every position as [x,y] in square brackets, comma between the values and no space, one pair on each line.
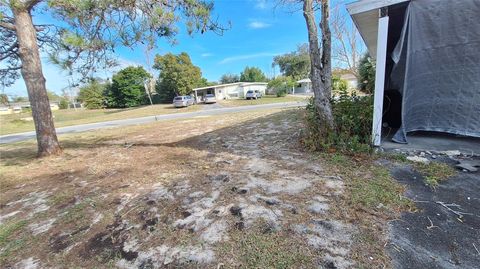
[361,6]
[229,84]
[304,80]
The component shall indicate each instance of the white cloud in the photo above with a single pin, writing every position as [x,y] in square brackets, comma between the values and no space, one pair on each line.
[254,24]
[124,63]
[206,54]
[247,57]
[261,4]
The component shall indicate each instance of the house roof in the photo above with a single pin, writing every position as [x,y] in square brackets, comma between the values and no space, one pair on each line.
[365,16]
[348,76]
[230,84]
[305,80]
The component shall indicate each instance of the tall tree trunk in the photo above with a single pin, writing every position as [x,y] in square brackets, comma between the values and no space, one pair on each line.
[326,72]
[321,69]
[35,81]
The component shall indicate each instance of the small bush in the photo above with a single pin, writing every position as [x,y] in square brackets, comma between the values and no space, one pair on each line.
[281,92]
[280,85]
[63,104]
[92,95]
[353,120]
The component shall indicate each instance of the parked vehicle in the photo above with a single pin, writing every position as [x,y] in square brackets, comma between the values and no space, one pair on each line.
[210,99]
[183,101]
[253,94]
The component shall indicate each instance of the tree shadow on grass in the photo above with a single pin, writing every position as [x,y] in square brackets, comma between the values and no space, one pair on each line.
[15,155]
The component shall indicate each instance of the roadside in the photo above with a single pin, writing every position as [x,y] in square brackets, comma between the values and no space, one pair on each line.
[4,139]
[23,122]
[218,191]
[267,99]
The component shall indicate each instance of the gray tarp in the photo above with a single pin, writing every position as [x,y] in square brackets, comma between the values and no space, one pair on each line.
[438,59]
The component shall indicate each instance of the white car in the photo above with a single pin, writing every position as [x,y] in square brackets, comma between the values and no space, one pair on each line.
[183,101]
[253,94]
[210,99]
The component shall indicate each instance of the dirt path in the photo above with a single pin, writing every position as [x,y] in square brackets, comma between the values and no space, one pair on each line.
[216,193]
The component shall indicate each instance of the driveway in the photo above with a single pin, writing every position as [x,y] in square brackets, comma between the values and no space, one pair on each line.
[214,110]
[445,230]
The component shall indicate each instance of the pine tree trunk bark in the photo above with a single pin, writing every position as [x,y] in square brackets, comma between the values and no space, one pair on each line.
[321,69]
[35,82]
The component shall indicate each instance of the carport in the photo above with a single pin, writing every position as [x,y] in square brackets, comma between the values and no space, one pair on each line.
[201,92]
[427,66]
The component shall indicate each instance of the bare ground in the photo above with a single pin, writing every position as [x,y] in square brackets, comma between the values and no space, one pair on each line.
[231,191]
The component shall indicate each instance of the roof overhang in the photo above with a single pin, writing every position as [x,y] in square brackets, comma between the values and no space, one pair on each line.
[365,14]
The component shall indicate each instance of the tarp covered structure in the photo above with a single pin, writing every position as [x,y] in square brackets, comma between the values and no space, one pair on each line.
[437,68]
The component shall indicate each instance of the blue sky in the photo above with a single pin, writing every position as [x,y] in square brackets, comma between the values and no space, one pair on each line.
[259,32]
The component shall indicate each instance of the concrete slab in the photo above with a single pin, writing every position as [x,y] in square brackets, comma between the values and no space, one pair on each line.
[435,142]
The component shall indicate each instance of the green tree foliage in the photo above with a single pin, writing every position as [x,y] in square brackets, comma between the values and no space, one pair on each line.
[178,76]
[229,78]
[295,64]
[338,85]
[204,82]
[366,73]
[63,104]
[92,95]
[281,85]
[90,31]
[127,88]
[252,74]
[83,38]
[53,97]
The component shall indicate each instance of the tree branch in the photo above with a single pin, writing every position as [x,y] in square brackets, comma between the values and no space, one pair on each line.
[7,25]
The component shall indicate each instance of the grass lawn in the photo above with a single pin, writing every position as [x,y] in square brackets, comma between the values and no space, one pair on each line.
[267,99]
[16,123]
[224,191]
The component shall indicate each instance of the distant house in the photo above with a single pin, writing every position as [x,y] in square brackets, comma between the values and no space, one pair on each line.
[304,86]
[230,90]
[4,110]
[351,80]
[21,106]
[54,106]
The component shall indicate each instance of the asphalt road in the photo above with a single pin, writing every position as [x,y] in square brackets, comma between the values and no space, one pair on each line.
[11,138]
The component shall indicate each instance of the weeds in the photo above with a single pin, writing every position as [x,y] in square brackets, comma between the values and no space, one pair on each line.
[6,230]
[7,246]
[380,190]
[260,248]
[434,172]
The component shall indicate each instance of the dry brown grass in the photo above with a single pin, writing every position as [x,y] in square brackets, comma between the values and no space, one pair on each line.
[99,169]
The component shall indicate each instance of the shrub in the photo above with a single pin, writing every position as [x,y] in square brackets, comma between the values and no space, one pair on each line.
[280,85]
[353,124]
[63,104]
[281,92]
[127,88]
[91,95]
[366,72]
